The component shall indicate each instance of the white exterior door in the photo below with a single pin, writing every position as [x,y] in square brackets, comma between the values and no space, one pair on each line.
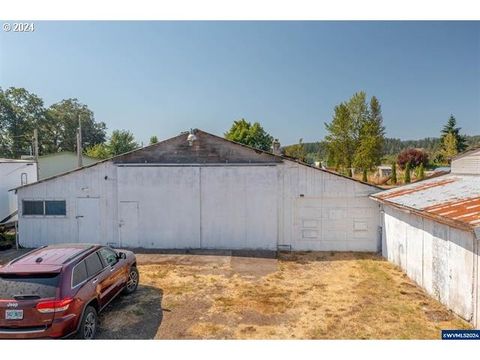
[129,224]
[88,220]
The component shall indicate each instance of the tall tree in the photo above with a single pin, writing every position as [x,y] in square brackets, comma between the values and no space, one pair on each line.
[153,139]
[451,128]
[250,134]
[341,138]
[120,142]
[20,113]
[63,119]
[371,136]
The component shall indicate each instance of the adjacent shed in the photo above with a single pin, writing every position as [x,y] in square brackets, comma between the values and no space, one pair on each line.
[13,173]
[199,190]
[431,229]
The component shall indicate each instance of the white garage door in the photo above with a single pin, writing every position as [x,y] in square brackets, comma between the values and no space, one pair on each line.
[239,207]
[334,224]
[212,207]
[168,205]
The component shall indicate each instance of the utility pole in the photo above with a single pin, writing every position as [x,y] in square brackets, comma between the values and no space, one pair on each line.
[35,149]
[79,142]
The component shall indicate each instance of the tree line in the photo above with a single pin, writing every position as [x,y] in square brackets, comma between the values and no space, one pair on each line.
[355,136]
[22,111]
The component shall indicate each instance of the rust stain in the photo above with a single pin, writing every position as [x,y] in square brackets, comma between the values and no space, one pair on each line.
[420,187]
[465,210]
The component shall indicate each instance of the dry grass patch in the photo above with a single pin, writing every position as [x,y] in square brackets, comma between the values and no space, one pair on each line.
[319,295]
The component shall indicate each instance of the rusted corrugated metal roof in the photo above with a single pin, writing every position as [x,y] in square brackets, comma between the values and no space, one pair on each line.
[454,199]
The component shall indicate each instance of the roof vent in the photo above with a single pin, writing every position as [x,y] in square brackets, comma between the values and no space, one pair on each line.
[39,260]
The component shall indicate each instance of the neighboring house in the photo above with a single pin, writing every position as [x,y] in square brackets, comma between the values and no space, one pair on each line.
[59,163]
[431,229]
[13,173]
[201,191]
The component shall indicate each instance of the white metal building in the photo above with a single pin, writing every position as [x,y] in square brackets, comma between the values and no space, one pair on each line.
[13,173]
[57,163]
[207,192]
[431,229]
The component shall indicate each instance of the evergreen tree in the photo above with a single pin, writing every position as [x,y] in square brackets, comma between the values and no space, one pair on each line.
[407,173]
[364,175]
[449,147]
[153,140]
[421,172]
[451,128]
[394,173]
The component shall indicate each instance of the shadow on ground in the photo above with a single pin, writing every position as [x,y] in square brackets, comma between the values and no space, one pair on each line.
[303,257]
[135,316]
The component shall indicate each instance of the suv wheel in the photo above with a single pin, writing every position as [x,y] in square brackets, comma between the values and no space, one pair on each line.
[132,282]
[88,326]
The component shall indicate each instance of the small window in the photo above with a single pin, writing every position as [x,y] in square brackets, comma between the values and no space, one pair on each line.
[79,274]
[55,207]
[94,265]
[32,207]
[109,256]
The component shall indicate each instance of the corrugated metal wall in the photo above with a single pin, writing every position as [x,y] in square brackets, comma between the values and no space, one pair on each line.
[439,258]
[217,206]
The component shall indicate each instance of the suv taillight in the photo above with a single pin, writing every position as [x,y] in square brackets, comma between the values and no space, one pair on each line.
[53,306]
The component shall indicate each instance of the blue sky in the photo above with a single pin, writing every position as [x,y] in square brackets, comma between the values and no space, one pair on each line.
[166,77]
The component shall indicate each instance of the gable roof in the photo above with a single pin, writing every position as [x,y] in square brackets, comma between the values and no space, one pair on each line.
[169,151]
[452,199]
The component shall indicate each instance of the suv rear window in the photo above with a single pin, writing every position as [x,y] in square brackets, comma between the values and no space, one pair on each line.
[39,285]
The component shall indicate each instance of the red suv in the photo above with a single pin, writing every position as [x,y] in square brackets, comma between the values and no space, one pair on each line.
[57,291]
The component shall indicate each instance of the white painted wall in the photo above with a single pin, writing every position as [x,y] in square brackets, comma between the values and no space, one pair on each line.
[439,258]
[219,206]
[11,177]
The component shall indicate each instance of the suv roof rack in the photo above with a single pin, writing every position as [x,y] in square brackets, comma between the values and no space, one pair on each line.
[82,252]
[26,254]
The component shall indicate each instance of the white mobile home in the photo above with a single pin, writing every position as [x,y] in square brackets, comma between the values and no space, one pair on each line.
[14,173]
[431,229]
[201,191]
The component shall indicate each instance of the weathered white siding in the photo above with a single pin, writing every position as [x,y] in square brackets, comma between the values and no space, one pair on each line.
[469,163]
[322,211]
[99,181]
[441,259]
[258,206]
[11,174]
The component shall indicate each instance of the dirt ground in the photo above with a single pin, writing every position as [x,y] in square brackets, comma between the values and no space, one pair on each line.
[311,295]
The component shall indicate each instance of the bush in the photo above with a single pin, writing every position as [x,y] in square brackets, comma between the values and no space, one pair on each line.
[413,156]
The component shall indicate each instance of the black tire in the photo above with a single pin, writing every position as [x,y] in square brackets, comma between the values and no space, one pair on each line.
[132,282]
[88,325]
